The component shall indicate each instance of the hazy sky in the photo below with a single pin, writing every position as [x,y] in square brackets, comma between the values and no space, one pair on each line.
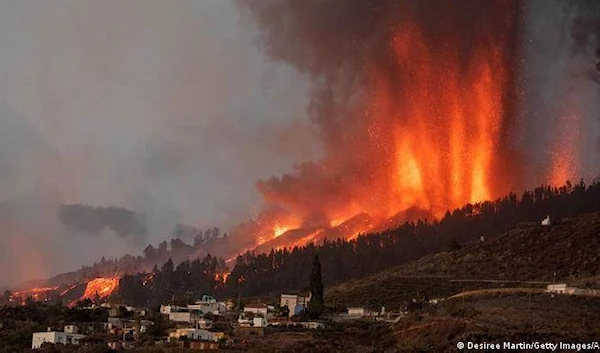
[165,107]
[169,108]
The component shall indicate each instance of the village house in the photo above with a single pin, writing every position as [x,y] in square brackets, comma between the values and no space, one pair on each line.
[208,304]
[184,316]
[257,309]
[251,319]
[546,221]
[295,303]
[193,313]
[68,336]
[557,288]
[562,288]
[357,311]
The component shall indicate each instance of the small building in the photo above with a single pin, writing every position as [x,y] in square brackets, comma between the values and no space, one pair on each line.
[557,288]
[183,316]
[55,337]
[258,309]
[356,311]
[546,221]
[207,305]
[295,303]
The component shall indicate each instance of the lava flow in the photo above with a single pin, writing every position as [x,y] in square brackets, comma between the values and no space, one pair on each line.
[100,287]
[37,294]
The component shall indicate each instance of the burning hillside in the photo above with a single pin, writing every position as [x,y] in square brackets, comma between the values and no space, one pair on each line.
[413,101]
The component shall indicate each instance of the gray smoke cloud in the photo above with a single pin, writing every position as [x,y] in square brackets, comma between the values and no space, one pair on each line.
[163,108]
[560,96]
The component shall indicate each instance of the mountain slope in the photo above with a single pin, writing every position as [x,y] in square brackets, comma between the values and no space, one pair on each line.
[570,248]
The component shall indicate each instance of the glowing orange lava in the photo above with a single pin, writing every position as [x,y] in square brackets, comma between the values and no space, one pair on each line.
[100,287]
[38,294]
[278,230]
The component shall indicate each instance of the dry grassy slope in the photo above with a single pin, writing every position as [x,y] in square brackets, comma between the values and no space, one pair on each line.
[499,318]
[571,248]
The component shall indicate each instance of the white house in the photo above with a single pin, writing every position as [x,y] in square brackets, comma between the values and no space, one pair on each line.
[208,304]
[55,337]
[546,221]
[356,311]
[295,303]
[194,334]
[258,309]
[557,288]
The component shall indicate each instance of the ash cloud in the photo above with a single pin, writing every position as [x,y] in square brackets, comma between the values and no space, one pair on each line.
[559,88]
[93,220]
[162,109]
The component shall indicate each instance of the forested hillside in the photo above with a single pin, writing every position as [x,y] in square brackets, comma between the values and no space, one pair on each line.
[288,269]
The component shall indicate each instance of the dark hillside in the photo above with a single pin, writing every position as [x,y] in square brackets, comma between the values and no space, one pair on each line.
[570,248]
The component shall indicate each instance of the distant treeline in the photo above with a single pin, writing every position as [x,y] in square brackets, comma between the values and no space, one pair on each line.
[179,284]
[201,242]
[289,269]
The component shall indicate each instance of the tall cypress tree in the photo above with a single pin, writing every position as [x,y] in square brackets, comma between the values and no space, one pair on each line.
[316,290]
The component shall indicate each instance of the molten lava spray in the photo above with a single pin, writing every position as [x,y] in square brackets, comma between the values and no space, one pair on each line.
[412,100]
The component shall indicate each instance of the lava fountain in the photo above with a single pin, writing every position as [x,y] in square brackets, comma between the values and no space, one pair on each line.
[414,102]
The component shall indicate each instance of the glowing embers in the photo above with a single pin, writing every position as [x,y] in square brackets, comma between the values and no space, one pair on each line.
[565,164]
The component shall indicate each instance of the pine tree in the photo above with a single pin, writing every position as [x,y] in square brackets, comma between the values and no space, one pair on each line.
[316,304]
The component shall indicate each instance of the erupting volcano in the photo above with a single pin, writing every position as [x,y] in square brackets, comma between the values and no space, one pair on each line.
[413,102]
